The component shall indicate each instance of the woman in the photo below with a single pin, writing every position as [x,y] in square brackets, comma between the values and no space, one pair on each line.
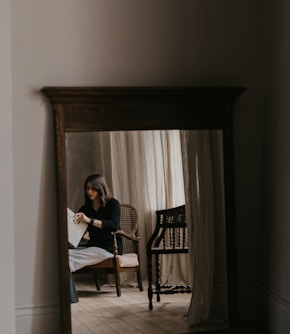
[101,212]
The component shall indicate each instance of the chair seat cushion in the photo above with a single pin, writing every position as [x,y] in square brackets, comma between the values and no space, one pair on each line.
[128,260]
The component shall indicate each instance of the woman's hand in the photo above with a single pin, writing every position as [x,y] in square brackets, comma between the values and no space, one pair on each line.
[80,217]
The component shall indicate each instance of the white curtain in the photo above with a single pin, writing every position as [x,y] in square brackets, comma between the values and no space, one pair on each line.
[202,156]
[147,173]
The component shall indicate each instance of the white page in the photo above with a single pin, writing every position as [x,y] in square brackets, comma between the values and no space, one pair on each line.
[75,231]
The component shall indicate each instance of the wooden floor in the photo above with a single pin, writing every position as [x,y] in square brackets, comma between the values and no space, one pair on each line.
[103,312]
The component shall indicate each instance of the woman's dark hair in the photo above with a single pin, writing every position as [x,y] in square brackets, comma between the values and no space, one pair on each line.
[99,184]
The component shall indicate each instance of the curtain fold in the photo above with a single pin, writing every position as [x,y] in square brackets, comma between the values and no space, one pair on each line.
[147,173]
[201,166]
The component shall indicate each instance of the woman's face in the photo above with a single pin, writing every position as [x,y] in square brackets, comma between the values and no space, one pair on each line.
[91,192]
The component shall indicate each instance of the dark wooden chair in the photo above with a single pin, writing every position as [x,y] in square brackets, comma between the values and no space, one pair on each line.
[169,237]
[129,261]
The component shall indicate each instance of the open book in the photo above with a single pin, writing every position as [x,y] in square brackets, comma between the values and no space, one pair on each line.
[75,231]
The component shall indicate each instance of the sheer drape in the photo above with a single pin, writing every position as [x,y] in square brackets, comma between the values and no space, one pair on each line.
[202,156]
[147,172]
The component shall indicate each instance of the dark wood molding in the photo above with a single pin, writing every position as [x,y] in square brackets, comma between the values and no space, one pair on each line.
[79,109]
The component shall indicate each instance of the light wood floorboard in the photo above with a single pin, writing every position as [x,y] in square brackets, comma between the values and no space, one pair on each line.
[103,312]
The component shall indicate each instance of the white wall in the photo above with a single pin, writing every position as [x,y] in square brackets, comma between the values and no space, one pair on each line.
[119,43]
[6,176]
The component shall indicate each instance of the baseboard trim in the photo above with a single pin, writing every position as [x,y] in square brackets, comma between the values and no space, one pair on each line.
[33,310]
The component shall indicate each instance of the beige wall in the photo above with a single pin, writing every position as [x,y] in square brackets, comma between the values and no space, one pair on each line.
[7,318]
[274,268]
[128,42]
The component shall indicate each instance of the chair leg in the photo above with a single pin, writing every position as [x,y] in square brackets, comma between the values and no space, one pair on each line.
[118,285]
[117,276]
[157,278]
[139,279]
[97,282]
[150,289]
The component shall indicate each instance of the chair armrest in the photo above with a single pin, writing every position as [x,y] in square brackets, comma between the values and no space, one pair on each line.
[131,236]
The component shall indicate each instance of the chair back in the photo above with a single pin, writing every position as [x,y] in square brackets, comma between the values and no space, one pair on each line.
[170,235]
[129,224]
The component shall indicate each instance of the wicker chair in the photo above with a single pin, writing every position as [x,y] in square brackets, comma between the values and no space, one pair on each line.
[129,261]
